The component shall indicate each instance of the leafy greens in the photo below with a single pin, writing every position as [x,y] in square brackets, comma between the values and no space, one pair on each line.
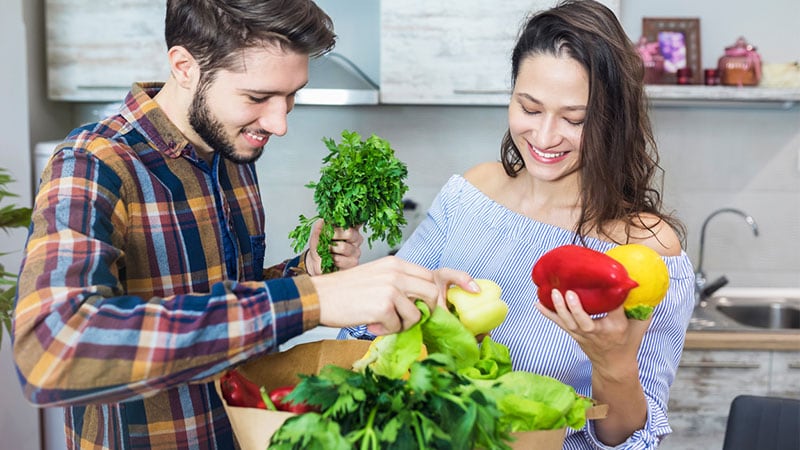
[462,395]
[361,184]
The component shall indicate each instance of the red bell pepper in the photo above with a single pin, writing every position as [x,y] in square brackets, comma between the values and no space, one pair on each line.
[601,282]
[239,391]
[278,398]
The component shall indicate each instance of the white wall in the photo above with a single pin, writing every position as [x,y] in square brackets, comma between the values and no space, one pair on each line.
[19,424]
[770,25]
[745,158]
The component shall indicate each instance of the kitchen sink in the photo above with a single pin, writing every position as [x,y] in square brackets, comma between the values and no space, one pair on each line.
[764,313]
[749,309]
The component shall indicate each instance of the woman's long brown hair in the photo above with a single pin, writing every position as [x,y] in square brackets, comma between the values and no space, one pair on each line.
[619,159]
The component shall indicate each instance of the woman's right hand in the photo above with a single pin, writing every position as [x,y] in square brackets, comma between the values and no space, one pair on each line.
[610,341]
[446,277]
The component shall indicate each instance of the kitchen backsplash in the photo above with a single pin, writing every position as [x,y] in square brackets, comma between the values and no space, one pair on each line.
[745,157]
[739,157]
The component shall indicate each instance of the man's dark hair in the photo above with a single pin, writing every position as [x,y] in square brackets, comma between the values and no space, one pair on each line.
[216,32]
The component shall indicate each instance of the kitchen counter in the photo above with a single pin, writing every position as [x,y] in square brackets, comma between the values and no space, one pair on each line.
[720,340]
[710,329]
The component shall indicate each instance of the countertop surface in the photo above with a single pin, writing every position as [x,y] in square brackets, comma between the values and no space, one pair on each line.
[758,340]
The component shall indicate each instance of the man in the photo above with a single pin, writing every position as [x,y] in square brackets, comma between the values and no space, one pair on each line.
[142,278]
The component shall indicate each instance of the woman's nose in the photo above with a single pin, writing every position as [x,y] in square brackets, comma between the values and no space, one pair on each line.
[547,135]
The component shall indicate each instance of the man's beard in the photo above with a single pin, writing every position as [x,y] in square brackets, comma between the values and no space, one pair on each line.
[211,130]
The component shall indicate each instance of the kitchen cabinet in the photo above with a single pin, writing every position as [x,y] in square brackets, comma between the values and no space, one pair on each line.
[706,383]
[451,51]
[95,50]
[458,52]
[785,375]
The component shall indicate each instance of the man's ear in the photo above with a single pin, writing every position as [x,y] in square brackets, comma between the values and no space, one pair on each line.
[183,67]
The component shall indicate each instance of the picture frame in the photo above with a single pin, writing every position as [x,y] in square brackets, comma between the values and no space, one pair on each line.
[679,42]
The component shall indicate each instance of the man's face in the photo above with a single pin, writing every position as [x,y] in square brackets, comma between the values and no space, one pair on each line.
[237,111]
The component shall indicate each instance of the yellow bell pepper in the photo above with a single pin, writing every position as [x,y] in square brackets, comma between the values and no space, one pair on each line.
[479,312]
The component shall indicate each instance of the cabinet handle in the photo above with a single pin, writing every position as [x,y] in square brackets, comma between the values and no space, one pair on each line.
[719,365]
[794,365]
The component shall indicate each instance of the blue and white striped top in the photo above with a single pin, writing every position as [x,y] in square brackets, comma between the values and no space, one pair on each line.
[466,230]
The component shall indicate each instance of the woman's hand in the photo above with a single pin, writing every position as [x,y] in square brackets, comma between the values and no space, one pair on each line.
[447,277]
[346,248]
[610,341]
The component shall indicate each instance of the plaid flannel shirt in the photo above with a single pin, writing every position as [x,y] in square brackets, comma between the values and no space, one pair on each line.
[142,280]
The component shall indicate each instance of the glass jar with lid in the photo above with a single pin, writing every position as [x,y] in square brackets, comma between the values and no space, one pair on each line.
[740,65]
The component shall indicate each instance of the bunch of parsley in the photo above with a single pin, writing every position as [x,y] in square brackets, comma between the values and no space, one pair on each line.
[362,184]
[436,408]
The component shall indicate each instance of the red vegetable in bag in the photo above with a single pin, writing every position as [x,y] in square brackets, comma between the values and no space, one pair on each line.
[601,282]
[239,391]
[278,395]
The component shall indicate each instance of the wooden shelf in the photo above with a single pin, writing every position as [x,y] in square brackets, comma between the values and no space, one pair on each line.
[722,96]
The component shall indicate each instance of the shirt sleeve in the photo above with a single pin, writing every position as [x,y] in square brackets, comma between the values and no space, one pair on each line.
[78,338]
[287,268]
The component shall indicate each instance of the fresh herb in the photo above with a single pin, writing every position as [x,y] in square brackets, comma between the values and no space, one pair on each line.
[325,434]
[362,184]
[462,395]
[436,408]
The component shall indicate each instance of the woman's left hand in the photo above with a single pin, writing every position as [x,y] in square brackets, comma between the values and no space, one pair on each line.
[346,248]
[608,340]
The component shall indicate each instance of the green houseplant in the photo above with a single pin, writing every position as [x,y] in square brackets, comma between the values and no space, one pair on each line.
[11,216]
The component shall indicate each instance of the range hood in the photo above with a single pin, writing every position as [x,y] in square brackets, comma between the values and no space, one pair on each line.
[335,80]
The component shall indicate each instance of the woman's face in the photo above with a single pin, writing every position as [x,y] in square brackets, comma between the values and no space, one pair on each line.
[546,114]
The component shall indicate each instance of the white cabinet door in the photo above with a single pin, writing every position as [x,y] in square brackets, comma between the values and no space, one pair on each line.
[97,48]
[785,378]
[706,383]
[451,51]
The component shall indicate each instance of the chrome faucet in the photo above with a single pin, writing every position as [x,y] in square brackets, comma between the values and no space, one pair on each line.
[703,290]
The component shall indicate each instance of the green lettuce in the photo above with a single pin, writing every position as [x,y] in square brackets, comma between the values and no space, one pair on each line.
[494,361]
[530,401]
[444,333]
[393,354]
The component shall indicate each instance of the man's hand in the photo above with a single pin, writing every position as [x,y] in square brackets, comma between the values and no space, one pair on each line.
[346,248]
[380,294]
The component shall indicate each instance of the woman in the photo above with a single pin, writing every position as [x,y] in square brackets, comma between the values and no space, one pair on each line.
[578,165]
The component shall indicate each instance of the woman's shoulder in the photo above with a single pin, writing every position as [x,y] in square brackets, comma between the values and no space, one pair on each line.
[654,232]
[488,177]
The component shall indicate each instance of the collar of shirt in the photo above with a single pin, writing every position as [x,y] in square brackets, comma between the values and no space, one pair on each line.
[153,123]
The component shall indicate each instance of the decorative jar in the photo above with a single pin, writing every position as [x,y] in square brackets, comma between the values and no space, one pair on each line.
[740,65]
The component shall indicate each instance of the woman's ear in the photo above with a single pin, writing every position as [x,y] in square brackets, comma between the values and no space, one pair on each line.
[183,67]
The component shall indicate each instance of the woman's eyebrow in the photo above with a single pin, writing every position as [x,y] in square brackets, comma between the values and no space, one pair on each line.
[539,102]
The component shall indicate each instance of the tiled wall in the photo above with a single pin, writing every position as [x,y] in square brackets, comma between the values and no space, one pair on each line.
[743,158]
